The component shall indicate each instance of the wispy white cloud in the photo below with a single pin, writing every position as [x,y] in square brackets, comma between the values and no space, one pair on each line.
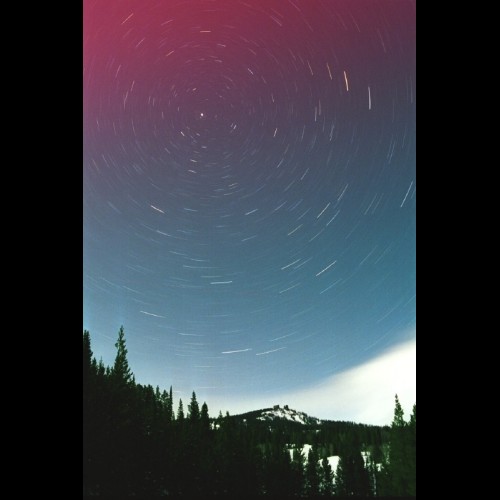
[364,393]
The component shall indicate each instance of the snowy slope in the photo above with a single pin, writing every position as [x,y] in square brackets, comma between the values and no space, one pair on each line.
[333,460]
[305,451]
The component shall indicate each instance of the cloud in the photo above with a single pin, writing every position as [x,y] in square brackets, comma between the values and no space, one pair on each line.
[362,394]
[366,392]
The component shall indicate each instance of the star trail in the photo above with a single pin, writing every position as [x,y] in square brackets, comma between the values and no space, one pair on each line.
[249,189]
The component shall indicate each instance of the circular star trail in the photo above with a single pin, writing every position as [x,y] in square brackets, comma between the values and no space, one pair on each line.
[249,188]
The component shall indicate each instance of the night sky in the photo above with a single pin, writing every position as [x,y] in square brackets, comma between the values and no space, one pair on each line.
[249,192]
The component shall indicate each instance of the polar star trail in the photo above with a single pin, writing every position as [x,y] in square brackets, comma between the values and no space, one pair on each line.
[249,189]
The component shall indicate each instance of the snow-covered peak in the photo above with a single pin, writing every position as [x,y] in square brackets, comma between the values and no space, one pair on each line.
[287,414]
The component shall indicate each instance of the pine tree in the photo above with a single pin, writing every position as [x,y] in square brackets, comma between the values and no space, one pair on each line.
[411,456]
[88,417]
[398,477]
[312,473]
[168,404]
[165,403]
[398,420]
[180,412]
[278,476]
[341,486]
[298,472]
[193,409]
[351,478]
[326,478]
[413,417]
[121,371]
[383,477]
[371,469]
[87,357]
[204,418]
[170,408]
[397,455]
[125,424]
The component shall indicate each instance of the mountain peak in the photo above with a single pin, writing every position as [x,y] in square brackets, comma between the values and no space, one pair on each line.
[285,413]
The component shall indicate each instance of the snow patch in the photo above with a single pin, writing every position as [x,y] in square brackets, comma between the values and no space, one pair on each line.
[333,460]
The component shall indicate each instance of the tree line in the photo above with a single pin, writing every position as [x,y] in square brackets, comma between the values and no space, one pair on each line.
[137,443]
